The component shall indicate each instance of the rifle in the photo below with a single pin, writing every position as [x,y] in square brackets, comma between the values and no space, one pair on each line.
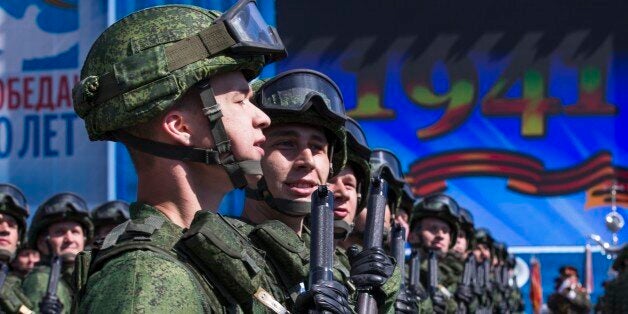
[399,250]
[322,244]
[468,278]
[415,271]
[50,303]
[432,270]
[373,236]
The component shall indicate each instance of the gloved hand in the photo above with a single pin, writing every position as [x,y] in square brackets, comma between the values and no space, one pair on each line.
[369,268]
[406,302]
[439,302]
[464,294]
[50,306]
[324,296]
[502,307]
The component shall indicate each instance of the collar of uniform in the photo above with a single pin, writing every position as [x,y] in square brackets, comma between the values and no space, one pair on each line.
[166,236]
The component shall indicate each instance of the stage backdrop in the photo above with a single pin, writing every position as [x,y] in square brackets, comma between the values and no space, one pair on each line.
[43,144]
[517,110]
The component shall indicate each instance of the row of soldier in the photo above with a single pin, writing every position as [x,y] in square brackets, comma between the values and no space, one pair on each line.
[171,83]
[61,228]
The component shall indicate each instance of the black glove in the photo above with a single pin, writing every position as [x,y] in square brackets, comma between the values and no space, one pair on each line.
[324,296]
[406,302]
[439,302]
[464,294]
[50,305]
[369,268]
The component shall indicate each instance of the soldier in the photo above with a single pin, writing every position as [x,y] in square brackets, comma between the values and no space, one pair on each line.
[483,251]
[458,259]
[569,295]
[61,227]
[25,260]
[171,83]
[434,224]
[108,215]
[616,291]
[305,145]
[13,214]
[351,188]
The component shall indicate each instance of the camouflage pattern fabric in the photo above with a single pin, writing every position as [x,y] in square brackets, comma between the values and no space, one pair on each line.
[143,281]
[515,300]
[616,295]
[12,298]
[445,279]
[35,286]
[559,303]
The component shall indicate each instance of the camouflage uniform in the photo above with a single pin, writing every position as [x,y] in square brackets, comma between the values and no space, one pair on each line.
[139,68]
[12,297]
[143,280]
[61,207]
[13,203]
[36,284]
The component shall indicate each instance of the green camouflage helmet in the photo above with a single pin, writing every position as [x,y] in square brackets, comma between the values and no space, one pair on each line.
[386,165]
[136,53]
[13,203]
[59,208]
[466,224]
[483,236]
[438,206]
[358,154]
[110,213]
[307,97]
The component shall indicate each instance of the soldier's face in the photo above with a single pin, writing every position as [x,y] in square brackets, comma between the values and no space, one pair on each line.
[67,238]
[26,260]
[9,236]
[345,187]
[435,234]
[482,252]
[296,161]
[461,243]
[243,121]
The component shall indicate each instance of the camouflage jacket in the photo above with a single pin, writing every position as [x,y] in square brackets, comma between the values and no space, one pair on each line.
[35,285]
[12,298]
[447,280]
[616,295]
[145,281]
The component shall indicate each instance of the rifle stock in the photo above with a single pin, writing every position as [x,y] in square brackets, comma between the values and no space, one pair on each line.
[322,243]
[373,235]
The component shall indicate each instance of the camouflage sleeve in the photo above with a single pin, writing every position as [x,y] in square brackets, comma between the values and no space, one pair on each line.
[143,282]
[389,290]
[35,286]
[12,298]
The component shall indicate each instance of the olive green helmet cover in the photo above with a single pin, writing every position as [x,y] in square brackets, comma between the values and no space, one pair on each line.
[133,50]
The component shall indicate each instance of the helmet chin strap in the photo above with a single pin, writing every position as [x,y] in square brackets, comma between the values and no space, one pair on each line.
[221,156]
[342,229]
[287,207]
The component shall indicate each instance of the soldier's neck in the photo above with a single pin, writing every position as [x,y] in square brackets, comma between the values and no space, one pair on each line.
[179,190]
[258,212]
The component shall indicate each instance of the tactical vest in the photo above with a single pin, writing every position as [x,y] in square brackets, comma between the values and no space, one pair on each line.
[288,254]
[209,246]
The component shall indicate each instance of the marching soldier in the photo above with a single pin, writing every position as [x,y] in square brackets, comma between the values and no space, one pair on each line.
[13,214]
[61,227]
